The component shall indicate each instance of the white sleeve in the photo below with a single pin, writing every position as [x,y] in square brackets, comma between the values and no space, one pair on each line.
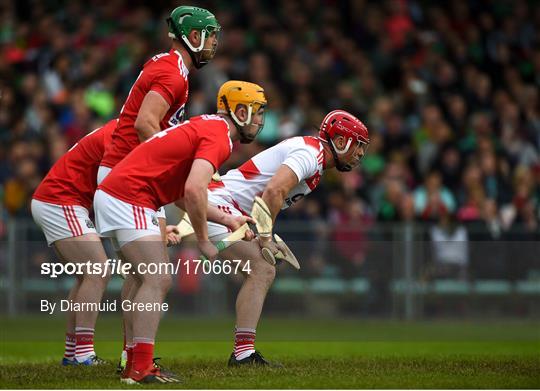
[303,162]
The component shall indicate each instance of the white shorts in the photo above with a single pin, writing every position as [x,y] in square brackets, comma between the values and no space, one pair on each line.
[61,221]
[102,174]
[123,221]
[217,232]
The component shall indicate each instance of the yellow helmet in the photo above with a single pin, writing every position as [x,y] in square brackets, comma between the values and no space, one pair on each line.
[235,92]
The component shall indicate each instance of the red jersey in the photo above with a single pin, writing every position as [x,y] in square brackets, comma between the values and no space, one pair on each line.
[155,172]
[72,179]
[165,74]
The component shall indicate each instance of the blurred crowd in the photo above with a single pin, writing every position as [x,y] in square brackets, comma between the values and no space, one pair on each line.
[448,90]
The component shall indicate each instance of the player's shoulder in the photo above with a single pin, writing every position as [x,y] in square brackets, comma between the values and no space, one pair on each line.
[307,143]
[209,126]
[101,133]
[311,142]
[170,61]
[213,120]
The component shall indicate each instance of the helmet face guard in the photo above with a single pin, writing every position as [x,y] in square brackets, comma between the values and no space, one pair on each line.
[355,163]
[243,134]
[341,166]
[344,124]
[208,54]
[200,55]
[241,126]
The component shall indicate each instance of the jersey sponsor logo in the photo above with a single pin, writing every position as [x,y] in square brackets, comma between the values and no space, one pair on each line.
[295,198]
[313,181]
[177,117]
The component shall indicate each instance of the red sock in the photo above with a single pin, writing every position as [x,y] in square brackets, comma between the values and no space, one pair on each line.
[69,351]
[129,361]
[244,342]
[143,352]
[85,343]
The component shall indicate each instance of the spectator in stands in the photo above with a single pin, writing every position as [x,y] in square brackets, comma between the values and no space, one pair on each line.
[450,249]
[349,241]
[443,87]
[432,200]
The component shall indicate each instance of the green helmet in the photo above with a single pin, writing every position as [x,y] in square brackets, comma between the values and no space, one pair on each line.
[186,18]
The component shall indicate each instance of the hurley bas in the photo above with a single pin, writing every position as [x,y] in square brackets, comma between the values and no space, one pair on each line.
[106,306]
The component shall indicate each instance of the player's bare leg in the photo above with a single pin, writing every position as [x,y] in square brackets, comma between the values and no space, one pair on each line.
[250,300]
[70,315]
[86,248]
[82,249]
[152,290]
[130,287]
[69,351]
[252,294]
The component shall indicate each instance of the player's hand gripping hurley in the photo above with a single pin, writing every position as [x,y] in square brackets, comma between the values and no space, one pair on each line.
[261,214]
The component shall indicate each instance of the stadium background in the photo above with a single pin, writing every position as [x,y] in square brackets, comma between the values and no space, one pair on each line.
[449,93]
[441,221]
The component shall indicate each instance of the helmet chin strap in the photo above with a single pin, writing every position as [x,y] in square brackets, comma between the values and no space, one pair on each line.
[344,150]
[339,165]
[244,139]
[192,50]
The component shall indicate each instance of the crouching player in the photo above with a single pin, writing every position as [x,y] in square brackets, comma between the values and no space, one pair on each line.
[60,207]
[157,101]
[283,175]
[175,165]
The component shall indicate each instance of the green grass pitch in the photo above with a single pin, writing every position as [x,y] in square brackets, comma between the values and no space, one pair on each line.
[315,353]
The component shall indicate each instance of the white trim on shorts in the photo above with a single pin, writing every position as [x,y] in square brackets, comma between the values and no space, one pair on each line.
[217,232]
[61,221]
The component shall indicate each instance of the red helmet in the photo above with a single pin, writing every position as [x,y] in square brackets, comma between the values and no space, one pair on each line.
[342,123]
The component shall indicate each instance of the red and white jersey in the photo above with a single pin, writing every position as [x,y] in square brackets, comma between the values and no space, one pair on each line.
[165,74]
[303,155]
[155,172]
[72,179]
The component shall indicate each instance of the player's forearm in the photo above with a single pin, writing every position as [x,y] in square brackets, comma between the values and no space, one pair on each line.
[274,199]
[196,203]
[217,216]
[152,111]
